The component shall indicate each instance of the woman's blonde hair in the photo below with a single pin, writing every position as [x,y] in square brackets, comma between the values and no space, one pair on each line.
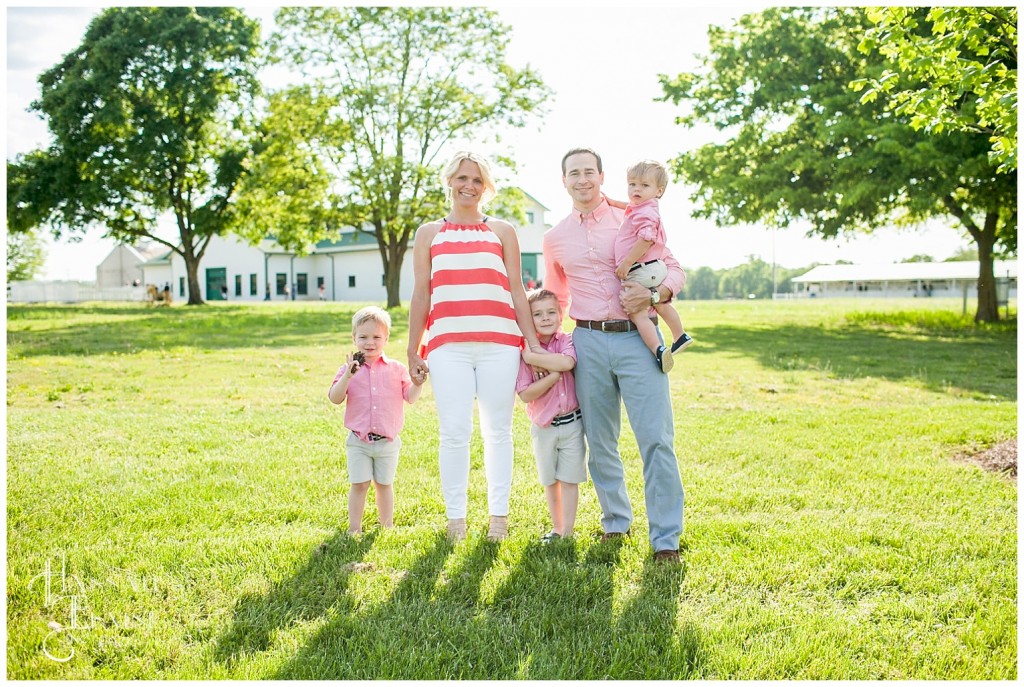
[490,190]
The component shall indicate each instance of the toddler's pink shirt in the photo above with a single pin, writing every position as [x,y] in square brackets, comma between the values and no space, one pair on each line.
[375,395]
[641,221]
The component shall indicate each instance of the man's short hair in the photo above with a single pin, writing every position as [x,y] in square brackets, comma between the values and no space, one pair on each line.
[578,151]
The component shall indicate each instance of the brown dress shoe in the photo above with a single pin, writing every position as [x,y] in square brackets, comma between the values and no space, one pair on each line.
[666,556]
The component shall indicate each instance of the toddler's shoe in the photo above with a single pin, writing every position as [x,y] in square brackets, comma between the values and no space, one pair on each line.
[664,357]
[682,342]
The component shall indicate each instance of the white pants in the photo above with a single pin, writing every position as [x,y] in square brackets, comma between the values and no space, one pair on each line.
[459,373]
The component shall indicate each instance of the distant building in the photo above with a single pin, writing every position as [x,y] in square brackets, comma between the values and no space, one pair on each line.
[123,266]
[350,268]
[920,279]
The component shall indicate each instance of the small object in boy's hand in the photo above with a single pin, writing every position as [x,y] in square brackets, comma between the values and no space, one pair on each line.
[359,357]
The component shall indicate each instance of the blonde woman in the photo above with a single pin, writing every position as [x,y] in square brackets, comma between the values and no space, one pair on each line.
[475,319]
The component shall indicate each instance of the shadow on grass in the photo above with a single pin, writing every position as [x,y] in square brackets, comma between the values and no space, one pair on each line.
[982,361]
[318,587]
[552,616]
[90,330]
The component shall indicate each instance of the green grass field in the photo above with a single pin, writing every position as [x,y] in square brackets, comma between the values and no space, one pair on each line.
[176,509]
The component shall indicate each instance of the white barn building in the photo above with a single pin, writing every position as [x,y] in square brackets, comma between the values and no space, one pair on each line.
[123,266]
[921,279]
[349,269]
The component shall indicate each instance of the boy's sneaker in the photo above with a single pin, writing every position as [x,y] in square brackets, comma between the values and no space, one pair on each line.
[664,357]
[682,342]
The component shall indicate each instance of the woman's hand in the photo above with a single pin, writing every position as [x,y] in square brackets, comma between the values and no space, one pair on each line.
[418,369]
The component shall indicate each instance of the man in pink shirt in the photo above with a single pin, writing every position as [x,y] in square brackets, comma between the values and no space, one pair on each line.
[612,361]
[375,387]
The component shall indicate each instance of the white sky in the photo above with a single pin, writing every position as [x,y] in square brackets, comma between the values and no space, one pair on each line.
[603,99]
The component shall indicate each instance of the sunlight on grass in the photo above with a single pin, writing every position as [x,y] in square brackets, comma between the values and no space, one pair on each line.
[181,473]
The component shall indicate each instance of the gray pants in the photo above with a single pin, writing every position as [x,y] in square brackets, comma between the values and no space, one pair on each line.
[611,366]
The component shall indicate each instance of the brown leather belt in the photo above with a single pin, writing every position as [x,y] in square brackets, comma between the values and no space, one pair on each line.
[610,325]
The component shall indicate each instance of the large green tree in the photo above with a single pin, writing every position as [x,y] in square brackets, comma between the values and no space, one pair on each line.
[386,90]
[952,68]
[801,146]
[144,117]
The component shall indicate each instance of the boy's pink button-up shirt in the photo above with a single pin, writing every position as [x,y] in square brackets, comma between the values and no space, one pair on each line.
[642,221]
[579,261]
[374,398]
[559,399]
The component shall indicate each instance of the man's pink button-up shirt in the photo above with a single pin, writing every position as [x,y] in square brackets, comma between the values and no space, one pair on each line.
[559,399]
[579,261]
[374,398]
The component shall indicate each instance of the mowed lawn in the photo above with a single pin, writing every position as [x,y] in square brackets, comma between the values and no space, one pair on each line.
[176,492]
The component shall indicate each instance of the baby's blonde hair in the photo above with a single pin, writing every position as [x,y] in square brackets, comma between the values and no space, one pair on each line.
[655,169]
[372,313]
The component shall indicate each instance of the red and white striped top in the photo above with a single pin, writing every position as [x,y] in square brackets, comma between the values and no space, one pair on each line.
[470,297]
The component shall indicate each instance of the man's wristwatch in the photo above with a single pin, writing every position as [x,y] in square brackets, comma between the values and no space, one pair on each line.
[655,295]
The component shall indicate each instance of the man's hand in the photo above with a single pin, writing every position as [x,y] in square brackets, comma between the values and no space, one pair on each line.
[634,298]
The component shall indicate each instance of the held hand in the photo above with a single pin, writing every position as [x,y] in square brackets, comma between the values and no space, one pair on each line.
[634,298]
[622,271]
[541,373]
[418,369]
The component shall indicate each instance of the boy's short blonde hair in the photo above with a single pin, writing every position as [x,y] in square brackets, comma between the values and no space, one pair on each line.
[372,313]
[655,169]
[540,295]
[490,189]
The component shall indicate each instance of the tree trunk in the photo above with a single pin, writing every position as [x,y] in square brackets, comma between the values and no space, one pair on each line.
[985,238]
[195,296]
[393,259]
[988,306]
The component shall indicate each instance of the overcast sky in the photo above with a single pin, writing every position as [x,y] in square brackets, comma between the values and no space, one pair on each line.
[603,99]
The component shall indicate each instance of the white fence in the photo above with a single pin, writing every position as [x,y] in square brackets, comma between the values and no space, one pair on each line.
[70,292]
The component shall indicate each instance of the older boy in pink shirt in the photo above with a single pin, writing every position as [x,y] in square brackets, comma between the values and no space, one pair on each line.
[554,412]
[375,387]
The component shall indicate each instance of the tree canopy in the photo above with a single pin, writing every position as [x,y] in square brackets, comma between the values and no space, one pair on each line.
[386,90]
[26,254]
[801,146]
[955,68]
[144,115]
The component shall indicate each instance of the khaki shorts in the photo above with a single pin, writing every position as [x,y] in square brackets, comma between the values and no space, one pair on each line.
[560,452]
[649,275]
[376,460]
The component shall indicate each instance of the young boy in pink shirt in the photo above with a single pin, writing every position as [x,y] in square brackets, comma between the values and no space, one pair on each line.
[554,412]
[375,387]
[639,255]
